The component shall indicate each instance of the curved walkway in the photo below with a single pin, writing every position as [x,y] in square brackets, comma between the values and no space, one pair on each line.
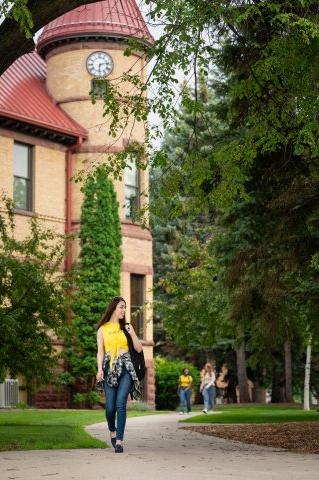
[157,448]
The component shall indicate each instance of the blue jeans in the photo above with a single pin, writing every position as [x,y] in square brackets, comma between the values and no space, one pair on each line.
[209,395]
[115,402]
[185,397]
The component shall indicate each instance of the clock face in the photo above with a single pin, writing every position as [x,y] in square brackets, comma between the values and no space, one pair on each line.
[99,64]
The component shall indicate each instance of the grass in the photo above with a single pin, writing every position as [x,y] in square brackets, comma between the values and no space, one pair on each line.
[51,429]
[243,414]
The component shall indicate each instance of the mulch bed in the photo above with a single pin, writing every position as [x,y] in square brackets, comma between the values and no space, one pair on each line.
[302,437]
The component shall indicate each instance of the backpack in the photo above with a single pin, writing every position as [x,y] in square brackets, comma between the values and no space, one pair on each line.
[137,358]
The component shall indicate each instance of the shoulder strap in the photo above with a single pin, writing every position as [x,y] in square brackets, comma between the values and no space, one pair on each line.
[129,339]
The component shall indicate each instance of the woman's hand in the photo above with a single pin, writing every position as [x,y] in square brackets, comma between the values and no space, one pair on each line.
[136,342]
[129,328]
[100,375]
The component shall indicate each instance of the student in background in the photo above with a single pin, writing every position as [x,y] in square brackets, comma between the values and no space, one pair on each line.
[185,391]
[207,387]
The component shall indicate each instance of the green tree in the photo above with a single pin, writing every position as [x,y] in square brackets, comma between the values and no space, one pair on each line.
[98,273]
[32,302]
[181,222]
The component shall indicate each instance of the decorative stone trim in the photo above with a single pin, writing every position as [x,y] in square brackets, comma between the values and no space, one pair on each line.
[137,269]
[150,382]
[89,45]
[26,213]
[132,230]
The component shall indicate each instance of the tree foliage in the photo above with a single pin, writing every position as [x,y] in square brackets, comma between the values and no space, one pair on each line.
[260,167]
[263,244]
[32,302]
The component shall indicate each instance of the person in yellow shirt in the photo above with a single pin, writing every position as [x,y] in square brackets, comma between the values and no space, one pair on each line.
[185,391]
[115,367]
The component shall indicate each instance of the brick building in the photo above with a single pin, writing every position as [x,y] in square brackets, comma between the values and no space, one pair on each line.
[49,126]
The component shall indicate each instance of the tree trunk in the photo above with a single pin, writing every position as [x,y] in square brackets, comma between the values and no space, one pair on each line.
[277,386]
[288,371]
[242,374]
[306,402]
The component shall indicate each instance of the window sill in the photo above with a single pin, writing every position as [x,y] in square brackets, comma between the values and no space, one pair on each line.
[129,221]
[25,213]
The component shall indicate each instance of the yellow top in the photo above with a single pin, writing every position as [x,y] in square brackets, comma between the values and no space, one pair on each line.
[185,381]
[115,341]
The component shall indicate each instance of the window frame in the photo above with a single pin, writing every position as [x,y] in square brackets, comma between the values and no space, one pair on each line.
[139,319]
[138,192]
[99,88]
[29,179]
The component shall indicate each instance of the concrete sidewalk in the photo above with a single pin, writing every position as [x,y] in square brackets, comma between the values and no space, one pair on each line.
[157,448]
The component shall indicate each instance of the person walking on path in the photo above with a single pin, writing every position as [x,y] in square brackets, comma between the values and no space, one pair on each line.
[115,367]
[185,391]
[207,387]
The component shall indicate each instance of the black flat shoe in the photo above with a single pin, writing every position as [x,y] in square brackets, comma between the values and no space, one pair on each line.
[118,448]
[113,441]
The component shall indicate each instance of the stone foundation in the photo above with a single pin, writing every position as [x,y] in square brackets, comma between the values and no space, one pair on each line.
[50,397]
[149,383]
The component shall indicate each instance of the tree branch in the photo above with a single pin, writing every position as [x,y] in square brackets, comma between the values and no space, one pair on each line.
[14,42]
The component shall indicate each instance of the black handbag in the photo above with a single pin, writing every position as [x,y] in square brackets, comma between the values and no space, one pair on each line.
[137,358]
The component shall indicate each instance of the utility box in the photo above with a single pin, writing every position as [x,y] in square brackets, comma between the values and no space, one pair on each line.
[9,393]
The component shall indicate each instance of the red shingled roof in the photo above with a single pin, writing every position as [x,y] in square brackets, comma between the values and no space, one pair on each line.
[23,96]
[117,18]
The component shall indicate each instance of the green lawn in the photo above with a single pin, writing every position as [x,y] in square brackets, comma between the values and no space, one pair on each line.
[51,429]
[256,414]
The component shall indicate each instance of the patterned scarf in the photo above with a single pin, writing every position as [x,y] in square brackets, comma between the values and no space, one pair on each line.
[115,372]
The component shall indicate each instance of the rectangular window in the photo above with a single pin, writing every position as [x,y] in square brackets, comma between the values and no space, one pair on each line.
[99,88]
[132,187]
[137,304]
[22,176]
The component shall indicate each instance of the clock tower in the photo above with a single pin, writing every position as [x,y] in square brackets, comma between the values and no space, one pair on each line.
[81,46]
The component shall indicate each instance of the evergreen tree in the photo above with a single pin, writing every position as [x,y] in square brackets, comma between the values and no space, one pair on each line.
[190,302]
[98,272]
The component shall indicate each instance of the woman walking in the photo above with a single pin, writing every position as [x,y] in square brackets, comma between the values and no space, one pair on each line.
[207,387]
[115,367]
[185,391]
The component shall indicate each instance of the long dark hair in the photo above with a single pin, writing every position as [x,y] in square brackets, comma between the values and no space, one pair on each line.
[109,311]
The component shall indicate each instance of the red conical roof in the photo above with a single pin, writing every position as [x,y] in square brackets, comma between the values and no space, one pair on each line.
[108,18]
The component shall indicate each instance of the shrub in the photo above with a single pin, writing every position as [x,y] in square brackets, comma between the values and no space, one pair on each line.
[167,375]
[86,399]
[22,405]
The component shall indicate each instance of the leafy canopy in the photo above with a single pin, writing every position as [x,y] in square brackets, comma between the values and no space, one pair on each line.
[32,302]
